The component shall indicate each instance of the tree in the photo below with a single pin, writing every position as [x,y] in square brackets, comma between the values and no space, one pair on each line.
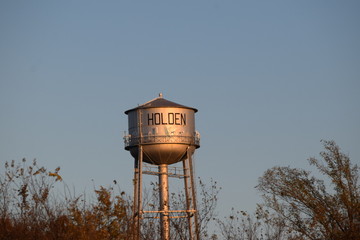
[30,209]
[312,208]
[240,225]
[207,202]
[25,206]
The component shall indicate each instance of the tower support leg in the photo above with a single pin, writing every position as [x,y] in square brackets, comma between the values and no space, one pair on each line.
[190,193]
[188,196]
[164,202]
[137,205]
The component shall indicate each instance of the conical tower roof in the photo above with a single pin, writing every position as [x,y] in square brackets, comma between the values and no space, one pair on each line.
[160,102]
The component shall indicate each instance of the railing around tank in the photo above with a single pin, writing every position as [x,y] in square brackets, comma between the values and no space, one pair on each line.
[155,139]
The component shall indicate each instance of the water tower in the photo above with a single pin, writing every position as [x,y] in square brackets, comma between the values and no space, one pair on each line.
[162,133]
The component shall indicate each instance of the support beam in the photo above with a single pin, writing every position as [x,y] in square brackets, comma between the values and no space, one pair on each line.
[190,152]
[164,202]
[137,208]
[188,193]
[135,223]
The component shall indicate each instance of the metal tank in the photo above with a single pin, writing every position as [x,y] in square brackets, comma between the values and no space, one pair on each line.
[165,130]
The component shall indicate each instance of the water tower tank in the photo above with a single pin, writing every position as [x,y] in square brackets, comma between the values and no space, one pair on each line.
[164,129]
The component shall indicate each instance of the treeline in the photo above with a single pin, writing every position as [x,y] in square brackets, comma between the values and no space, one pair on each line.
[296,205]
[30,210]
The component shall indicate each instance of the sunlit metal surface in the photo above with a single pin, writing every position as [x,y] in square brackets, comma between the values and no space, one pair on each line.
[162,133]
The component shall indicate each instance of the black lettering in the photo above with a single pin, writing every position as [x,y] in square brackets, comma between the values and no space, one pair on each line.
[166,119]
[171,118]
[183,119]
[162,120]
[157,118]
[151,119]
[177,119]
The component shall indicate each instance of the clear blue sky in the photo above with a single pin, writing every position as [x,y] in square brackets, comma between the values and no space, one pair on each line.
[270,79]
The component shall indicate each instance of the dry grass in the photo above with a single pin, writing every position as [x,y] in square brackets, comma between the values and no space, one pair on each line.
[30,210]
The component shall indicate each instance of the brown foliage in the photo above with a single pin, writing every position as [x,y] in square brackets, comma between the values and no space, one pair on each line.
[207,202]
[28,210]
[305,204]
